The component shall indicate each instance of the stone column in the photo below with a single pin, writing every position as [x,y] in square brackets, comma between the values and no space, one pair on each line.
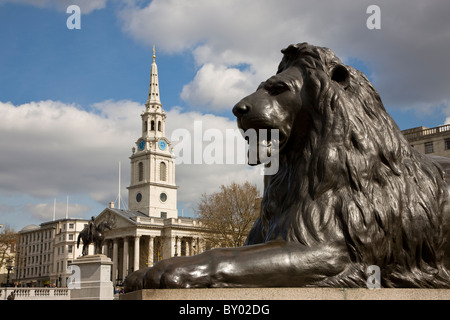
[115,260]
[192,247]
[125,259]
[172,241]
[199,245]
[178,253]
[202,245]
[136,253]
[150,251]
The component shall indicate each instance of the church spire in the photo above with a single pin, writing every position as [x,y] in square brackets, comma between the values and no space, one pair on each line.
[153,117]
[153,91]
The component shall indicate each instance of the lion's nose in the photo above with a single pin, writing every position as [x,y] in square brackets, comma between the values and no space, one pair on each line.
[240,109]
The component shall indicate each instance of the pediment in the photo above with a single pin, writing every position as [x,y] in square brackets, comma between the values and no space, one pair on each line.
[121,220]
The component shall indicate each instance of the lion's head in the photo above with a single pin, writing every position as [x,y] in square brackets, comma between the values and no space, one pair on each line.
[286,101]
[346,173]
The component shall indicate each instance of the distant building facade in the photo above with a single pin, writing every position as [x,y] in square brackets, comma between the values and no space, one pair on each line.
[434,142]
[431,141]
[138,241]
[43,252]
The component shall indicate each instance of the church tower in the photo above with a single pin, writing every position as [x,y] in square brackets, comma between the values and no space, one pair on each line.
[152,190]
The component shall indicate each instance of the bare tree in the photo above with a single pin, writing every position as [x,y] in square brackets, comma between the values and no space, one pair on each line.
[228,215]
[8,239]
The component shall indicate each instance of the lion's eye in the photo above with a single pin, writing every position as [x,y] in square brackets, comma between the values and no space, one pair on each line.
[277,88]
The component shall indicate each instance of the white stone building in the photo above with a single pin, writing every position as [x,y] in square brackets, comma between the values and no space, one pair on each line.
[44,252]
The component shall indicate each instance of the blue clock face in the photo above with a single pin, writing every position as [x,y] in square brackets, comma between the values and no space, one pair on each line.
[162,145]
[141,145]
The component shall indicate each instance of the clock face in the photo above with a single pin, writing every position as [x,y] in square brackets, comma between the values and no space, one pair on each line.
[162,145]
[163,197]
[141,145]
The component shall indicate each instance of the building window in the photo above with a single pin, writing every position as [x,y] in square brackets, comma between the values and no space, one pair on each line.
[152,125]
[163,215]
[159,125]
[429,147]
[141,171]
[163,171]
[447,144]
[71,225]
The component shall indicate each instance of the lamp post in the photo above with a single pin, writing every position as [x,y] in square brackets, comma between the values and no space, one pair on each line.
[9,267]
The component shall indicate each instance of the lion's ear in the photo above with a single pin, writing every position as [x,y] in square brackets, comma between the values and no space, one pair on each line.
[341,75]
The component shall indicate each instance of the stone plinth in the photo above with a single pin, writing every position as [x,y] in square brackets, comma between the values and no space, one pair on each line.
[95,275]
[288,294]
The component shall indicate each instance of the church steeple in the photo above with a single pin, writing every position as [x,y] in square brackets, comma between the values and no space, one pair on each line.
[152,189]
[153,91]
[153,117]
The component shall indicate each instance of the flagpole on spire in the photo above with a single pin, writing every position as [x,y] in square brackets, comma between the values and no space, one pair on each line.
[154,54]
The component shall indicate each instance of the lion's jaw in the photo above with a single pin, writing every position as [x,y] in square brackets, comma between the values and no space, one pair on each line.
[266,117]
[264,137]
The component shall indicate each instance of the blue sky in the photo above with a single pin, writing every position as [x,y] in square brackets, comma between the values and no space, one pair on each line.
[45,60]
[70,100]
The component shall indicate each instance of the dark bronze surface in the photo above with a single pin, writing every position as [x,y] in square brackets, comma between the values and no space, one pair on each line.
[94,233]
[350,192]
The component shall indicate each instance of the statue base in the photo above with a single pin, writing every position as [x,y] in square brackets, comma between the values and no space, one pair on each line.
[94,281]
[288,294]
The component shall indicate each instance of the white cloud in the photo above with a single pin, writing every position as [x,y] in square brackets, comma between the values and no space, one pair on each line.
[86,6]
[50,147]
[408,56]
[217,87]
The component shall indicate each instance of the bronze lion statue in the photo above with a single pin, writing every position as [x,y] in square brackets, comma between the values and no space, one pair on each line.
[350,192]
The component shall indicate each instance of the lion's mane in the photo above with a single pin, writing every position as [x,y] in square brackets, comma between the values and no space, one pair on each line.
[354,178]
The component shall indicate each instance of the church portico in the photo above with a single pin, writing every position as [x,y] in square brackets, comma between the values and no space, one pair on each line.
[138,241]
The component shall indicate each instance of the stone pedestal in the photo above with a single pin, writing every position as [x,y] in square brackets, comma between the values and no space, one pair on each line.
[288,294]
[94,278]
